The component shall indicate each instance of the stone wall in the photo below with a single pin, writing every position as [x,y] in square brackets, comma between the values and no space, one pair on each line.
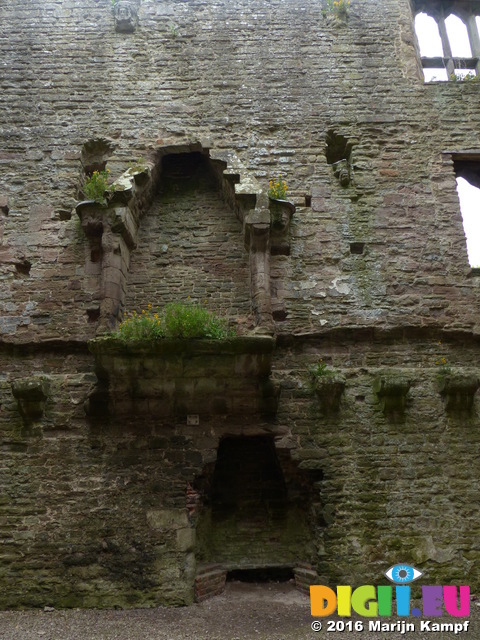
[102,508]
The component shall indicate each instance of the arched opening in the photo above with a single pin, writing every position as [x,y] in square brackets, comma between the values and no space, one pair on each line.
[190,243]
[458,37]
[257,510]
[428,36]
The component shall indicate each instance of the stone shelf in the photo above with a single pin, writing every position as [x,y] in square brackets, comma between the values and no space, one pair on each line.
[31,395]
[329,391]
[180,377]
[458,391]
[392,389]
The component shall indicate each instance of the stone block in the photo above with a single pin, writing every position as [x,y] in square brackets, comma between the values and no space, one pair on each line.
[186,539]
[164,519]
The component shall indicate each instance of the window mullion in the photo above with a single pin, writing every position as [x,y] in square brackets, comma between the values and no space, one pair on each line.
[447,50]
[474,40]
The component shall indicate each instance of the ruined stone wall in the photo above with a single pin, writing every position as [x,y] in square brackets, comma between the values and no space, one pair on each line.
[94,507]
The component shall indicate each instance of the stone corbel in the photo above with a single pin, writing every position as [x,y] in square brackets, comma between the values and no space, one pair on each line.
[342,170]
[329,391]
[125,13]
[31,395]
[392,390]
[281,212]
[458,390]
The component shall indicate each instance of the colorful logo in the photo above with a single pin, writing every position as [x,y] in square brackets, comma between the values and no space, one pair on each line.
[371,601]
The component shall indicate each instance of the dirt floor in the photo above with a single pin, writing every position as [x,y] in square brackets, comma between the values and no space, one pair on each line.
[244,612]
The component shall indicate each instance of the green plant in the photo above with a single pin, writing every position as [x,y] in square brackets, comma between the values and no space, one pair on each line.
[320,370]
[176,321]
[137,165]
[173,30]
[277,189]
[95,186]
[338,7]
[444,369]
[468,77]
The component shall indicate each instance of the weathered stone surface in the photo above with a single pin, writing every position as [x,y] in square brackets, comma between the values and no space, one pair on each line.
[257,90]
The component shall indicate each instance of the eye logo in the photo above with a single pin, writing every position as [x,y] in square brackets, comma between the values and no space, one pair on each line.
[402,574]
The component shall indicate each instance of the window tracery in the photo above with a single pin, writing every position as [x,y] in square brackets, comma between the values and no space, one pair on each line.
[448,36]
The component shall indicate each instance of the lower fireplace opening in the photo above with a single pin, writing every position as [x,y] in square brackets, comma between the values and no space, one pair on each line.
[261,574]
[255,510]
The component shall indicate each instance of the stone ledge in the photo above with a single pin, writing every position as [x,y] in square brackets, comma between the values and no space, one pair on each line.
[168,377]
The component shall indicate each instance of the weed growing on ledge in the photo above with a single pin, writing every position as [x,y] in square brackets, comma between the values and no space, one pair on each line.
[94,187]
[173,30]
[277,189]
[177,320]
[468,77]
[444,369]
[320,370]
[338,7]
[138,165]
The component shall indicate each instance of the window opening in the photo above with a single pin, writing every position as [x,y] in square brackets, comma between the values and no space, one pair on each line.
[428,36]
[458,37]
[468,189]
[449,40]
[469,197]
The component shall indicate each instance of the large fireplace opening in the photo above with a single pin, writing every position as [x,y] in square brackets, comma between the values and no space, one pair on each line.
[257,510]
[248,483]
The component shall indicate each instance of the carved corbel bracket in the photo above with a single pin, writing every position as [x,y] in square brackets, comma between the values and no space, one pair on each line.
[392,390]
[329,391]
[281,212]
[458,390]
[31,394]
[125,13]
[342,170]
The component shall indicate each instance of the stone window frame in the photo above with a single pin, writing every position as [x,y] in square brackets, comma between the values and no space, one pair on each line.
[439,10]
[466,164]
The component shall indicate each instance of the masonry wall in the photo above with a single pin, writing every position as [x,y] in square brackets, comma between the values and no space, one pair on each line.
[94,510]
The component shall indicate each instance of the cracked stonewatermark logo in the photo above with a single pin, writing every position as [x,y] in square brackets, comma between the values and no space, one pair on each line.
[376,602]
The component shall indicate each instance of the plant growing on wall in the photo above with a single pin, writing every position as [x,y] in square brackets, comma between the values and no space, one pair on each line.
[177,320]
[137,165]
[338,7]
[327,385]
[96,185]
[443,367]
[277,189]
[468,77]
[319,371]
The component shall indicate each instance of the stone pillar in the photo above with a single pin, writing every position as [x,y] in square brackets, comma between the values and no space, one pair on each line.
[257,238]
[114,231]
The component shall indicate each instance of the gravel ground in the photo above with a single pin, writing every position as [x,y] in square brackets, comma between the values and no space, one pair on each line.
[243,612]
